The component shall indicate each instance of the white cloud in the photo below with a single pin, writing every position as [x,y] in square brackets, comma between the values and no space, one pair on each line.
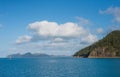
[23,39]
[83,21]
[58,40]
[56,32]
[115,11]
[99,30]
[61,48]
[54,37]
[52,29]
[89,39]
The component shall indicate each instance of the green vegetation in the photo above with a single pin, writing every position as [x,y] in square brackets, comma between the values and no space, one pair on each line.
[109,46]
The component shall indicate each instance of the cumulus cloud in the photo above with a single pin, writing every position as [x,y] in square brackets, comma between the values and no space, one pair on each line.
[83,21]
[58,40]
[99,30]
[23,39]
[51,37]
[53,29]
[89,39]
[115,11]
[44,30]
[53,48]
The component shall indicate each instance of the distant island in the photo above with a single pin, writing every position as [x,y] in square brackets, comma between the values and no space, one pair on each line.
[27,55]
[108,47]
[33,55]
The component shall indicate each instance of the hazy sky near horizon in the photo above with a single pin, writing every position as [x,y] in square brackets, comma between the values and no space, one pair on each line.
[57,27]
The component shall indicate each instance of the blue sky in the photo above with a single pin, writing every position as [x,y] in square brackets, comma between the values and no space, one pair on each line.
[58,27]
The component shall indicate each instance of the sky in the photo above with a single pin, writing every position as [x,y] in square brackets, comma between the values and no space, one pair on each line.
[55,27]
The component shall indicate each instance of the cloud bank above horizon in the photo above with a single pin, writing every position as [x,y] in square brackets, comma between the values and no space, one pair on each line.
[68,37]
[45,30]
[55,27]
[45,35]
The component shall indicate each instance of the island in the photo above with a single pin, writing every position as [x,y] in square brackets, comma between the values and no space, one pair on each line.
[27,55]
[108,47]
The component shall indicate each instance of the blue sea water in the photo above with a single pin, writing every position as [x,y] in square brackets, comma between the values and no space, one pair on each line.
[59,67]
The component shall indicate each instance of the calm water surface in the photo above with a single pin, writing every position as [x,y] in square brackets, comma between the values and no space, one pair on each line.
[59,67]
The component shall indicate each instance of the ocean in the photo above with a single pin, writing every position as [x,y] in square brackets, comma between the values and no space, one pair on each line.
[59,67]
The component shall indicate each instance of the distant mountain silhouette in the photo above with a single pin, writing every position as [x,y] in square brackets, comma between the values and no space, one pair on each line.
[108,47]
[27,55]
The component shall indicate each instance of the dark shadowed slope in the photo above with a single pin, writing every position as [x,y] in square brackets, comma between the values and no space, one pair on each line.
[107,47]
